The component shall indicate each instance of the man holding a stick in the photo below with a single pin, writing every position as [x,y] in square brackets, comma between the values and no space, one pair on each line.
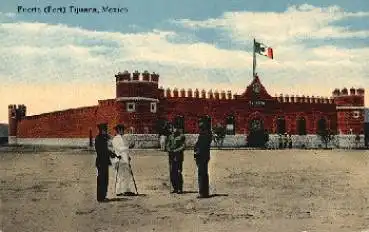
[121,145]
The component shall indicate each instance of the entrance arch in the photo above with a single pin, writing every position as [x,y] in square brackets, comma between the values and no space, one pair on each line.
[301,126]
[322,125]
[281,125]
[256,124]
[256,136]
[230,125]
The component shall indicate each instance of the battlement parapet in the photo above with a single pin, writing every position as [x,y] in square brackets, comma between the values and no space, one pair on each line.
[308,99]
[293,100]
[360,91]
[203,93]
[345,92]
[302,99]
[17,111]
[336,92]
[189,93]
[197,93]
[175,92]
[229,94]
[107,102]
[210,94]
[182,93]
[352,91]
[168,93]
[216,95]
[65,113]
[161,92]
[137,76]
[223,95]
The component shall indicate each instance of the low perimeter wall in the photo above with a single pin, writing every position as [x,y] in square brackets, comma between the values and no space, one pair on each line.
[152,141]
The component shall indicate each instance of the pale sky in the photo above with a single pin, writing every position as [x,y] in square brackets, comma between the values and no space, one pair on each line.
[60,61]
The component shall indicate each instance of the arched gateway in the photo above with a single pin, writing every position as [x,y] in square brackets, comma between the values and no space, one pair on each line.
[256,136]
[256,124]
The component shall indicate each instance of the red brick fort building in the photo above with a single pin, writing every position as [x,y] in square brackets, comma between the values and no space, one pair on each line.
[140,104]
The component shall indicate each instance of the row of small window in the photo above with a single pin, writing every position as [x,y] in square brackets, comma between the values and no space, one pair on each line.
[131,107]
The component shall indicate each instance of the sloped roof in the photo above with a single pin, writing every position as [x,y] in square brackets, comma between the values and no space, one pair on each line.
[250,92]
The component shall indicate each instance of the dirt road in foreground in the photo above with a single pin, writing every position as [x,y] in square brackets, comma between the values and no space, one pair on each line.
[264,191]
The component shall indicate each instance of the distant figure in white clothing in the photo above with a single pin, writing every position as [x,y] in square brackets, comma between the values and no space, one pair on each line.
[121,144]
[163,136]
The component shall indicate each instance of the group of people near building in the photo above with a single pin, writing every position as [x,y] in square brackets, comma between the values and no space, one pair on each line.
[115,151]
[284,141]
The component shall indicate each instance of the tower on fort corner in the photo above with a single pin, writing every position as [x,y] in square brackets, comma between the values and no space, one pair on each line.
[350,110]
[137,96]
[15,114]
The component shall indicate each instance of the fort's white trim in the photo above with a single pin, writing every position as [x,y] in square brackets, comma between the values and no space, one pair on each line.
[62,142]
[12,139]
[238,140]
[350,107]
[137,99]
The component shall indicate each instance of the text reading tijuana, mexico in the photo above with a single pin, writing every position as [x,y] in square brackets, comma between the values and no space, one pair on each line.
[71,9]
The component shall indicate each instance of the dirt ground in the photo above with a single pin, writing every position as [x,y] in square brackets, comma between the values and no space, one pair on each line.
[289,190]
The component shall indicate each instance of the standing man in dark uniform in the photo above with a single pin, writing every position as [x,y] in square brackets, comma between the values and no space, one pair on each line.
[103,162]
[175,147]
[202,157]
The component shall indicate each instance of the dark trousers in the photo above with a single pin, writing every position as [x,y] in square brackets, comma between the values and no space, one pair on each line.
[102,182]
[175,168]
[203,176]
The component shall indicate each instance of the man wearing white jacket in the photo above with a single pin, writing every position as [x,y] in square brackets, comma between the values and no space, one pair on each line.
[121,145]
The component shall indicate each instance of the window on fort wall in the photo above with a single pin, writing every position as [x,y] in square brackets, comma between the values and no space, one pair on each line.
[230,125]
[153,107]
[131,107]
[322,124]
[301,126]
[131,130]
[281,125]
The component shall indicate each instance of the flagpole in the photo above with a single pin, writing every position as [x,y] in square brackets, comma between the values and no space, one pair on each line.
[253,60]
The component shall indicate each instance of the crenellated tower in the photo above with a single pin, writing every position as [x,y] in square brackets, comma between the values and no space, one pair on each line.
[137,95]
[15,114]
[350,110]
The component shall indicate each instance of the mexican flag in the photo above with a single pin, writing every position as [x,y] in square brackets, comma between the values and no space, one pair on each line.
[263,50]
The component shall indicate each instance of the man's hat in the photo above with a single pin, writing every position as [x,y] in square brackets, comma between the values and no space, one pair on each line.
[119,127]
[102,126]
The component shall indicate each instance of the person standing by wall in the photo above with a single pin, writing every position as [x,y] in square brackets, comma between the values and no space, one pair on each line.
[280,141]
[289,141]
[162,137]
[166,132]
[202,157]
